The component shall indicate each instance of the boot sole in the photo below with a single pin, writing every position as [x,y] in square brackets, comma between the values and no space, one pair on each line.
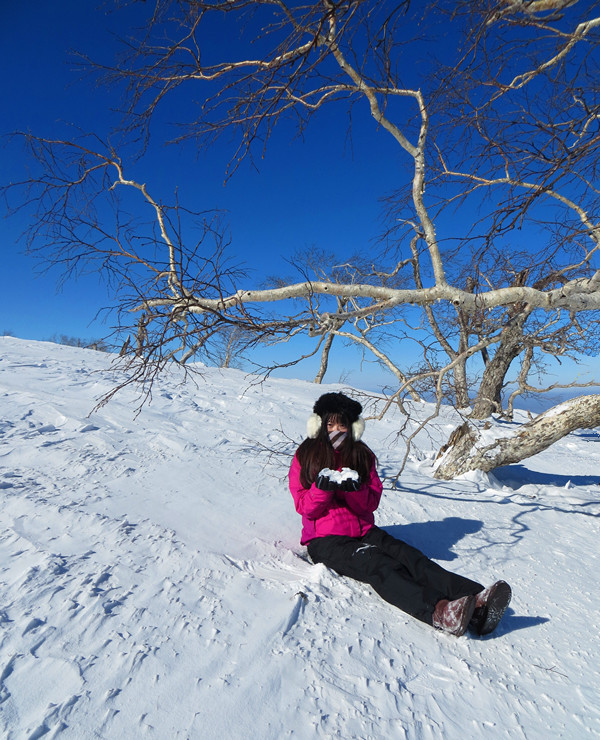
[495,608]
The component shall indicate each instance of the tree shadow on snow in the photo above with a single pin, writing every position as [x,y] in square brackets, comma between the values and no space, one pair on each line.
[435,539]
[515,476]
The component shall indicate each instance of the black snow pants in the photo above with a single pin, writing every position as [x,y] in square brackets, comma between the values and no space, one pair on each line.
[398,572]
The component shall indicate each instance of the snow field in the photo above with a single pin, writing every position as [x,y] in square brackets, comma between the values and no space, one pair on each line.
[152,584]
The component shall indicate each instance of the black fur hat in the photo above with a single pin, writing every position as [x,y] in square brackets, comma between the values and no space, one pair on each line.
[336,403]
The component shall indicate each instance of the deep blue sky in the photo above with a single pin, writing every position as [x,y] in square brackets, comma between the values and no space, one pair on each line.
[39,90]
[283,205]
[320,191]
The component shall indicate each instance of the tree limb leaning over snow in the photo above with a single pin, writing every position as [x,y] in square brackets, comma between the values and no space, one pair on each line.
[466,451]
[580,294]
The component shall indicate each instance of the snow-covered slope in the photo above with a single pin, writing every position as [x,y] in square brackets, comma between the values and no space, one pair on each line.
[152,584]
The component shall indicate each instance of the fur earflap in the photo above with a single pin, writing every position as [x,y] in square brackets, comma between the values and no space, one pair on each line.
[313,426]
[358,428]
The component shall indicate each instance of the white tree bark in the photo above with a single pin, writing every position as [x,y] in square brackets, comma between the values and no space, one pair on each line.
[466,450]
[581,294]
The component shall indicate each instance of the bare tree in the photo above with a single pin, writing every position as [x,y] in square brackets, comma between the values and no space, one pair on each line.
[516,140]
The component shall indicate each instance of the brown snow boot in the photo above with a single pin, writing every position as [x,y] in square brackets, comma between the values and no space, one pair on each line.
[490,606]
[453,617]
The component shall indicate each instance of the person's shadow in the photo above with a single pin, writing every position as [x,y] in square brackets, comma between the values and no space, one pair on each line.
[435,539]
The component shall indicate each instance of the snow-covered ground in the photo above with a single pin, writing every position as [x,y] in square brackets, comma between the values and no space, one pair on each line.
[152,583]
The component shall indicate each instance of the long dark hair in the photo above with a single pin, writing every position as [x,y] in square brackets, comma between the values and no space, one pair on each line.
[318,453]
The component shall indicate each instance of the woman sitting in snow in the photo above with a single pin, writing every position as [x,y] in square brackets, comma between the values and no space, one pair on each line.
[336,489]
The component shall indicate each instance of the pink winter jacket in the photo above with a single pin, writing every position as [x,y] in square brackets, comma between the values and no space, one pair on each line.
[348,513]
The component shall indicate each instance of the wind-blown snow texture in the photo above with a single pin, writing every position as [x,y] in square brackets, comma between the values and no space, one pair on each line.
[152,583]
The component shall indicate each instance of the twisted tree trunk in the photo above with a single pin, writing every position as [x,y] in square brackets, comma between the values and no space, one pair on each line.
[467,449]
[489,396]
[324,358]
